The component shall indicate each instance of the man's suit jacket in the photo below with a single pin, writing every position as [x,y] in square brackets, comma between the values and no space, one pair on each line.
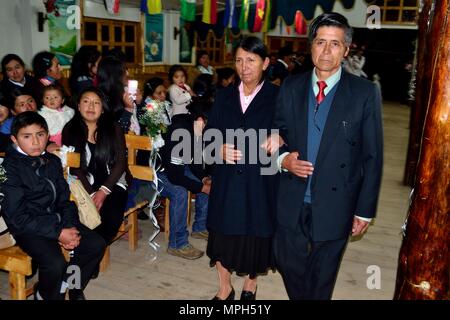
[348,168]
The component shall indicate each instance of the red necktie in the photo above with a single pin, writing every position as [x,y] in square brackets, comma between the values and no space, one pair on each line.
[321,95]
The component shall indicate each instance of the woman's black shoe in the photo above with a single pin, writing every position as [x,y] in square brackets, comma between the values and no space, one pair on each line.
[95,272]
[76,294]
[248,295]
[230,296]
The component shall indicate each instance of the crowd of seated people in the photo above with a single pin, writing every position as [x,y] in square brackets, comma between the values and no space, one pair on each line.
[91,112]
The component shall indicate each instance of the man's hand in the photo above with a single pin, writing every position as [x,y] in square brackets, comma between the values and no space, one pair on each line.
[206,185]
[272,143]
[69,238]
[229,154]
[300,168]
[359,226]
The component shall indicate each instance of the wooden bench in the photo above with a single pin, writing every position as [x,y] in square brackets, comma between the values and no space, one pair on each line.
[17,263]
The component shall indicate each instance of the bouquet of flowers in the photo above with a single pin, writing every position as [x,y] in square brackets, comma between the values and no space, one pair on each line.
[155,118]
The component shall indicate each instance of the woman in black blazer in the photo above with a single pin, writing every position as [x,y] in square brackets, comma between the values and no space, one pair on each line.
[241,204]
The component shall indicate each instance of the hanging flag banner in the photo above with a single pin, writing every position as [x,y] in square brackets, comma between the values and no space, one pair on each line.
[259,15]
[188,10]
[112,6]
[210,11]
[230,18]
[300,23]
[244,15]
[267,16]
[151,6]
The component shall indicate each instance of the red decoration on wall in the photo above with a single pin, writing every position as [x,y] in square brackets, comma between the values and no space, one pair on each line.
[50,7]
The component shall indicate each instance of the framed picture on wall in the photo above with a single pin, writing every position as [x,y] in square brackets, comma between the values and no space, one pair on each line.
[62,36]
[186,41]
[154,38]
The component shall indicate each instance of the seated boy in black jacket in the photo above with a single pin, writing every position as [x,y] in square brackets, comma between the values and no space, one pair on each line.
[39,214]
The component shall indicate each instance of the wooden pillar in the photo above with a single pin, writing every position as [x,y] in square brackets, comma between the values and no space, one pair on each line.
[424,261]
[426,51]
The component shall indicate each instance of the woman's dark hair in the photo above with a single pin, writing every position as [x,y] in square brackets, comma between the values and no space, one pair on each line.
[175,68]
[106,146]
[7,59]
[82,62]
[3,101]
[254,45]
[151,85]
[331,19]
[116,53]
[26,119]
[110,74]
[199,108]
[223,74]
[41,63]
[203,86]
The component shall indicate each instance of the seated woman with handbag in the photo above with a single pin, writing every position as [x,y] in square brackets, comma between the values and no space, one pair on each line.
[101,144]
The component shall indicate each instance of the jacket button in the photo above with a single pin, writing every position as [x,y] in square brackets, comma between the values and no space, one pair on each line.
[343,165]
[334,188]
[239,171]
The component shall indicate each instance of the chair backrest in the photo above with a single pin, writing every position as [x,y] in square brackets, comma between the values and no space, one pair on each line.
[135,143]
[73,161]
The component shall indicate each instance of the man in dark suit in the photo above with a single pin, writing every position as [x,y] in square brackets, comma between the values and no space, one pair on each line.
[331,163]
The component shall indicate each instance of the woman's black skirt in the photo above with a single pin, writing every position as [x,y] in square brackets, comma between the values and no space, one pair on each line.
[245,255]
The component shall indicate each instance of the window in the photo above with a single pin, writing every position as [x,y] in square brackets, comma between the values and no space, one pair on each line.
[213,46]
[107,34]
[398,11]
[298,45]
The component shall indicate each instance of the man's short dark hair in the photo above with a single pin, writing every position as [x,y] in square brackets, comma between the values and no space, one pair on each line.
[331,19]
[26,119]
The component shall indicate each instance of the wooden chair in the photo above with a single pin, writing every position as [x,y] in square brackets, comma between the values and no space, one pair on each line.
[18,264]
[130,224]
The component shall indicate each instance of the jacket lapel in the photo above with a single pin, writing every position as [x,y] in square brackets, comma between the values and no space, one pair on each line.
[300,108]
[338,110]
[256,102]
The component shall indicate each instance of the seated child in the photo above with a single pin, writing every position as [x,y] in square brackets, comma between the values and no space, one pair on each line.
[40,216]
[54,112]
[179,92]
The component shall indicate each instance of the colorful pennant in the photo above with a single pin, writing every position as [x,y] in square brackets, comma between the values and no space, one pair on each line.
[112,6]
[230,18]
[244,15]
[259,15]
[188,10]
[151,6]
[210,11]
